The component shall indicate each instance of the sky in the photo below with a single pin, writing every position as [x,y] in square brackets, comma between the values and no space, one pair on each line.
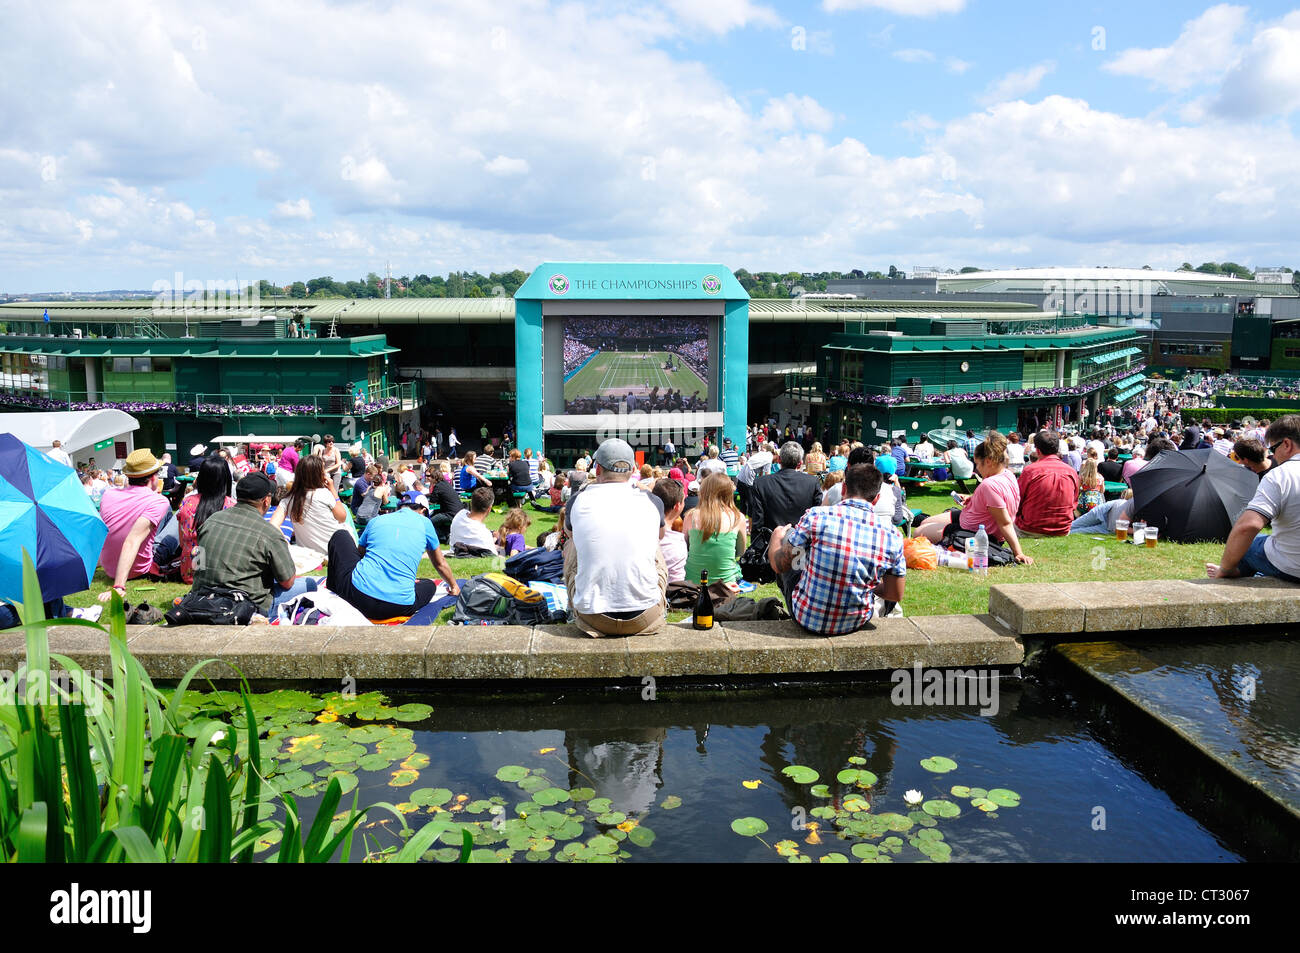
[223,141]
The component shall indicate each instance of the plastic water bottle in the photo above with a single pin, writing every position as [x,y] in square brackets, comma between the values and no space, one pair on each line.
[981,552]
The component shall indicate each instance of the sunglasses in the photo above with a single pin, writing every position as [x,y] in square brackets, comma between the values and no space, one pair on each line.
[1273,449]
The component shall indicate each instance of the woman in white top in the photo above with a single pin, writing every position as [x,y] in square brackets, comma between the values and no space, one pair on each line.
[925,450]
[312,506]
[1015,453]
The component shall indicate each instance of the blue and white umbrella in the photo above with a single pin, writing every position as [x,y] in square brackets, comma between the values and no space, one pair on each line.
[45,510]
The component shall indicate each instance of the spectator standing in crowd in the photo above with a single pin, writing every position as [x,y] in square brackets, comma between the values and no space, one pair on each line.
[850,557]
[241,550]
[333,462]
[134,514]
[759,462]
[312,507]
[711,464]
[815,462]
[969,443]
[728,455]
[1277,504]
[453,442]
[783,497]
[211,495]
[469,533]
[1049,491]
[58,454]
[378,575]
[673,543]
[1015,453]
[167,473]
[613,567]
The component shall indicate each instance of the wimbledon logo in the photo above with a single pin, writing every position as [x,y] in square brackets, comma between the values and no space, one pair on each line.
[711,284]
[559,284]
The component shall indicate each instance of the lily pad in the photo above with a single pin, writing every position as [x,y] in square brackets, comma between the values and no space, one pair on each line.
[819,790]
[396,748]
[599,805]
[749,826]
[534,782]
[978,792]
[611,818]
[941,808]
[823,812]
[550,796]
[864,851]
[857,759]
[511,772]
[347,780]
[671,802]
[641,836]
[1004,798]
[921,818]
[960,790]
[833,859]
[427,797]
[984,804]
[403,777]
[859,776]
[939,765]
[414,711]
[786,848]
[800,774]
[416,761]
[374,762]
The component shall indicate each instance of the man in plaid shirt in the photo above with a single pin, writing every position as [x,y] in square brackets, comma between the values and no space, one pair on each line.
[835,563]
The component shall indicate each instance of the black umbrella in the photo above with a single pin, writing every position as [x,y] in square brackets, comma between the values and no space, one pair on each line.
[1192,495]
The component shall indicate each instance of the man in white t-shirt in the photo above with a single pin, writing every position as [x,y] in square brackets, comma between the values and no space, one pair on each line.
[1276,502]
[711,464]
[57,452]
[469,533]
[613,567]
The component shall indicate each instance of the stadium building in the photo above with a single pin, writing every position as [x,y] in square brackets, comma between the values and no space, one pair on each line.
[673,338]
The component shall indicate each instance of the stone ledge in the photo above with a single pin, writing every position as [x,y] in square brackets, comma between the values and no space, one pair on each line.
[1128,606]
[967,640]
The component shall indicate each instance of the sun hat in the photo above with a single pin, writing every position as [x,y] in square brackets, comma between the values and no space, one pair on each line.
[140,463]
[615,456]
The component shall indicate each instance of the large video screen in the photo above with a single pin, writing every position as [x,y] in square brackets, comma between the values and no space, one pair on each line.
[641,363]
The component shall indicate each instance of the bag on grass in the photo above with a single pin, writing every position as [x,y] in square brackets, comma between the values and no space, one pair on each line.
[920,553]
[1000,554]
[215,606]
[754,566]
[495,599]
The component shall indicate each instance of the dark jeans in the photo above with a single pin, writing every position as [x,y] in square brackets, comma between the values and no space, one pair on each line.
[343,558]
[442,525]
[54,609]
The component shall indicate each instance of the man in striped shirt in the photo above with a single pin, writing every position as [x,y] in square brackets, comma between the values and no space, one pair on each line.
[729,456]
[839,559]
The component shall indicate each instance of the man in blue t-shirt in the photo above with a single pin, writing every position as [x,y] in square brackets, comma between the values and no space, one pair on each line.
[378,576]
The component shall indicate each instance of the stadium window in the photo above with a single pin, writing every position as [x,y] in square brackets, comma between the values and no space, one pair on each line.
[141,365]
[121,365]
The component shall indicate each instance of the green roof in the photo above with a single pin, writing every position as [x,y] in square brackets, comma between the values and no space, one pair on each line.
[1129,394]
[1112,356]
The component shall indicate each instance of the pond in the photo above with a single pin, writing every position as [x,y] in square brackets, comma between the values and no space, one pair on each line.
[795,773]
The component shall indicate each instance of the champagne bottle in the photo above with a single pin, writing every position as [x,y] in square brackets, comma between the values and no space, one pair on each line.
[703,617]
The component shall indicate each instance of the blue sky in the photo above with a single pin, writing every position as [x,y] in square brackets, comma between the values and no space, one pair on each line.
[326,136]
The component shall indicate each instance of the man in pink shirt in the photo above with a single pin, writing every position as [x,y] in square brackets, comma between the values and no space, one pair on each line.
[133,516]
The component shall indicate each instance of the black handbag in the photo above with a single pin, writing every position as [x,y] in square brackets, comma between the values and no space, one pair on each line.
[754,566]
[214,606]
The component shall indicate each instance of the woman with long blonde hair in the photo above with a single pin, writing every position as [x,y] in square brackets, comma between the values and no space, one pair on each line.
[815,462]
[715,532]
[1092,489]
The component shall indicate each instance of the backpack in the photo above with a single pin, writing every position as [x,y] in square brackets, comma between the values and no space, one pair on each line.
[754,566]
[1000,554]
[495,599]
[543,565]
[215,606]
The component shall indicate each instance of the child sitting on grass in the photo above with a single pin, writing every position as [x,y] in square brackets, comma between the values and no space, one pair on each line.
[510,537]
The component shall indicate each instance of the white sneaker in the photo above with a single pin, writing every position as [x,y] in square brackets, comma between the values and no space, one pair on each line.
[90,614]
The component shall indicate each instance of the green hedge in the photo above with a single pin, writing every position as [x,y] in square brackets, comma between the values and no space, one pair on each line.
[1223,415]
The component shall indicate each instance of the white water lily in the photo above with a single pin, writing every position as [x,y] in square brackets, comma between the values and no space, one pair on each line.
[218,735]
[913,797]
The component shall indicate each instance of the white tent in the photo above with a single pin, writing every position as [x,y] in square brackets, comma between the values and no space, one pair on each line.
[77,429]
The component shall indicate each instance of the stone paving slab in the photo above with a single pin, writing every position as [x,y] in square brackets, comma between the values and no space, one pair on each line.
[679,649]
[884,645]
[1036,608]
[376,652]
[776,648]
[170,653]
[565,651]
[483,651]
[1260,601]
[280,651]
[963,641]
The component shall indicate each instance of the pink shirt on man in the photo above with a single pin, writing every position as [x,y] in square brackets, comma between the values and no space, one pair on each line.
[289,459]
[119,509]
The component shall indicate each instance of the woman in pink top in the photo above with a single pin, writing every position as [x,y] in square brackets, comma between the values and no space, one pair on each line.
[993,505]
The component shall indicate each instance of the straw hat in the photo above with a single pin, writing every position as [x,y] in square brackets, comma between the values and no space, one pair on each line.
[140,463]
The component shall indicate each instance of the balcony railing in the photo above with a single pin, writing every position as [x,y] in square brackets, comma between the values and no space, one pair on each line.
[392,397]
[812,386]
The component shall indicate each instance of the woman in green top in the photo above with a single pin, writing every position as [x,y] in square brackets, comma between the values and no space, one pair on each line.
[715,532]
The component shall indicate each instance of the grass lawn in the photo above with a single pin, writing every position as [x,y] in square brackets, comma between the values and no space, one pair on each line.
[1076,558]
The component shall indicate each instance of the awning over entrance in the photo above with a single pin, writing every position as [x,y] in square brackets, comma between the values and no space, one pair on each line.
[76,429]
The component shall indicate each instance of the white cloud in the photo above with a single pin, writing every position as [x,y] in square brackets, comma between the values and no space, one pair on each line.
[908,8]
[1016,84]
[265,159]
[722,16]
[913,56]
[297,208]
[1204,51]
[503,165]
[791,111]
[1266,81]
[957,66]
